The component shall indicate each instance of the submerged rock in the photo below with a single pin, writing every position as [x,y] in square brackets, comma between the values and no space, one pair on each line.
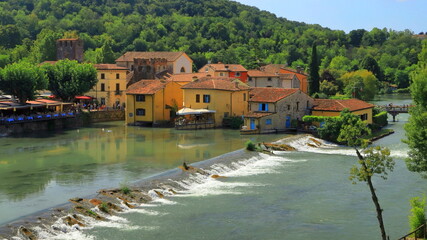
[315,141]
[279,147]
[217,176]
[27,233]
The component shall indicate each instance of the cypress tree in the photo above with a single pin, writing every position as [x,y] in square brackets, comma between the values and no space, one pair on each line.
[314,71]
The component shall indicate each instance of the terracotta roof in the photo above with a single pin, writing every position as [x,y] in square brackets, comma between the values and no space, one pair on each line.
[272,67]
[221,67]
[270,94]
[108,67]
[129,56]
[146,87]
[288,76]
[258,114]
[333,105]
[186,77]
[294,71]
[258,73]
[217,83]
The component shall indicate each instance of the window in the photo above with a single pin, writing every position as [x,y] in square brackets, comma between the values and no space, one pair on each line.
[297,106]
[102,101]
[221,74]
[263,107]
[183,70]
[206,98]
[244,96]
[117,75]
[140,98]
[102,87]
[140,112]
[364,117]
[289,107]
[268,122]
[102,75]
[198,98]
[117,86]
[238,74]
[308,104]
[269,79]
[226,114]
[250,79]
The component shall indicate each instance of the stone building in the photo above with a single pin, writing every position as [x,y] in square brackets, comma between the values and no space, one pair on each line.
[153,68]
[274,109]
[69,48]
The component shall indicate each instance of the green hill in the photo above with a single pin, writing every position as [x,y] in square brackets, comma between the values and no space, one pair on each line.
[215,30]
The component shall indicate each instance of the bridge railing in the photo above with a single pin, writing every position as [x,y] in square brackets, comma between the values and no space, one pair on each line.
[422,233]
[36,117]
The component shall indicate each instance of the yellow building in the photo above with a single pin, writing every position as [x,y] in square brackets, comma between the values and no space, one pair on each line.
[152,101]
[332,108]
[226,96]
[111,86]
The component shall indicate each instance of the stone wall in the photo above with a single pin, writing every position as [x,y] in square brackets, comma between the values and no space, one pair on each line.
[107,116]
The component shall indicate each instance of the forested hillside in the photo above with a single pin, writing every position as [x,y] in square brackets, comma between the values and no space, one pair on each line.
[215,30]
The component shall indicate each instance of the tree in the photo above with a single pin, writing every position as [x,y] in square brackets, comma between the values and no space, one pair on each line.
[370,64]
[44,48]
[22,80]
[360,84]
[314,71]
[373,160]
[68,79]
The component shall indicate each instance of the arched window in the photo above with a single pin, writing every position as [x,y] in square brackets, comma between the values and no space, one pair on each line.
[183,70]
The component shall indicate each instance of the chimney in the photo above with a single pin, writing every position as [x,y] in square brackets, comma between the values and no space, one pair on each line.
[194,78]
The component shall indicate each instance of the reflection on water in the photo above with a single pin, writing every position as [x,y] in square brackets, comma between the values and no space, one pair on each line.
[52,168]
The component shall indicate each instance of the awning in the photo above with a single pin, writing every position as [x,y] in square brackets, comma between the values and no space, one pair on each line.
[189,111]
[83,97]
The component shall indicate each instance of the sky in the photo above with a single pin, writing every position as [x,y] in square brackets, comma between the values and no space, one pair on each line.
[348,15]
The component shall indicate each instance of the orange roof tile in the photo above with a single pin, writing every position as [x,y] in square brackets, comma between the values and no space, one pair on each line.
[129,56]
[258,114]
[148,87]
[333,105]
[288,76]
[258,73]
[108,67]
[186,77]
[270,94]
[217,83]
[221,67]
[295,71]
[272,67]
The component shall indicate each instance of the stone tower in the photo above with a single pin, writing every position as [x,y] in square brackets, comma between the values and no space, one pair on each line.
[70,48]
[149,68]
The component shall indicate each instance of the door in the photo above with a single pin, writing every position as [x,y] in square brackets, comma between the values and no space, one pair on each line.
[252,124]
[288,122]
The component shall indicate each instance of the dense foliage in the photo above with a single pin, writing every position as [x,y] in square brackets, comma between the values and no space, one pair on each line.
[418,215]
[416,128]
[380,119]
[22,80]
[68,79]
[216,30]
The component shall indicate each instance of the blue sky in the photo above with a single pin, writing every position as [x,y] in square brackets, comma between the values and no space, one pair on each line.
[348,15]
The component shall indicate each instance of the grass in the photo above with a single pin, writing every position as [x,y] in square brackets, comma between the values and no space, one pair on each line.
[379,133]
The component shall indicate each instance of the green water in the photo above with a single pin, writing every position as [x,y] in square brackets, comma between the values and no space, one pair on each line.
[39,171]
[298,195]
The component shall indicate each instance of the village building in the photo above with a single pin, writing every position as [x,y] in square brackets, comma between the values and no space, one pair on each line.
[227,97]
[275,110]
[283,69]
[176,62]
[184,78]
[111,86]
[333,108]
[257,78]
[226,70]
[151,102]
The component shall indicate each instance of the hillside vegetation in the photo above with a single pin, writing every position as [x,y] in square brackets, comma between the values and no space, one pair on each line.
[207,30]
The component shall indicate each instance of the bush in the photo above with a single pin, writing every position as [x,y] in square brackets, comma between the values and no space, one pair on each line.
[330,129]
[402,90]
[250,146]
[381,119]
[319,119]
[418,216]
[232,122]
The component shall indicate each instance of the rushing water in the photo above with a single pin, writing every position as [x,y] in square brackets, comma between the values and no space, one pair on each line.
[296,195]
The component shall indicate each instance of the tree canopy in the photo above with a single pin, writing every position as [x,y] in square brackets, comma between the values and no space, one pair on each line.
[68,79]
[22,80]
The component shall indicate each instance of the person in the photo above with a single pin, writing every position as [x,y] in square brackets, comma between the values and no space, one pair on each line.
[184,164]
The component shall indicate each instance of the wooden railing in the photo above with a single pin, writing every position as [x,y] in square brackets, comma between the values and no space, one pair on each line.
[422,228]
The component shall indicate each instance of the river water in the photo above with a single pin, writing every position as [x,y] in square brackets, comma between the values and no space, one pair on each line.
[296,195]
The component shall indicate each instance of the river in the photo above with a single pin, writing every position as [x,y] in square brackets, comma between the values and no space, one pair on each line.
[297,195]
